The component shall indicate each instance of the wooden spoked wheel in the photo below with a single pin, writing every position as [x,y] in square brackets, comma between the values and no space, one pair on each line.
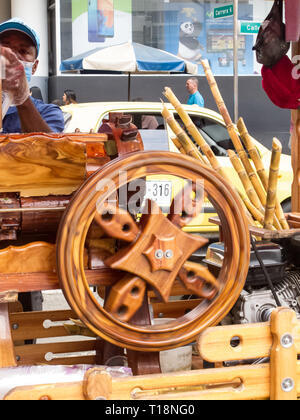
[153,252]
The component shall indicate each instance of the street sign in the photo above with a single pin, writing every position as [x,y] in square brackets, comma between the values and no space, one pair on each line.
[222,12]
[249,27]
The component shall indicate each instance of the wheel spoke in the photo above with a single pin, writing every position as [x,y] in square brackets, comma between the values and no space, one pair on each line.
[117,223]
[185,207]
[199,280]
[126,297]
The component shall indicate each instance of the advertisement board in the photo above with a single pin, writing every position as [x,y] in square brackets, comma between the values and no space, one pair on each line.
[194,31]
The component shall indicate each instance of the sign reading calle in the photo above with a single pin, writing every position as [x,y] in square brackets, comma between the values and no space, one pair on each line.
[249,28]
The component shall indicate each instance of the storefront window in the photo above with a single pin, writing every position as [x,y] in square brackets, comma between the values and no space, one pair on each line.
[191,29]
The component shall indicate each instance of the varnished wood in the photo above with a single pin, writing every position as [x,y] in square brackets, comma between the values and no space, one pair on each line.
[30,258]
[70,353]
[94,389]
[141,260]
[36,221]
[242,382]
[30,282]
[55,392]
[295,146]
[119,127]
[125,297]
[117,223]
[7,354]
[185,207]
[37,165]
[42,164]
[10,222]
[174,308]
[143,363]
[76,223]
[44,324]
[284,328]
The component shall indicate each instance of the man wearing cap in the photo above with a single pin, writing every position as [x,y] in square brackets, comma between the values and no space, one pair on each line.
[19,47]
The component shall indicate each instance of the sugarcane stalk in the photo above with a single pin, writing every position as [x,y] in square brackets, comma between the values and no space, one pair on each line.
[253,152]
[279,220]
[221,106]
[181,149]
[192,129]
[233,134]
[273,181]
[258,188]
[184,140]
[247,185]
[216,92]
[178,145]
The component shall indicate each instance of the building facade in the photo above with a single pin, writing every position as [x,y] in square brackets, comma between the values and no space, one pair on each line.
[189,28]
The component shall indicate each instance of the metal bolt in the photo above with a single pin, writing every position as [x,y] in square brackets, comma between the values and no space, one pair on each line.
[15,326]
[18,358]
[100,399]
[287,385]
[159,254]
[287,341]
[169,254]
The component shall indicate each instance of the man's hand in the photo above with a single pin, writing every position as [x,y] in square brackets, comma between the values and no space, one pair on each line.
[14,82]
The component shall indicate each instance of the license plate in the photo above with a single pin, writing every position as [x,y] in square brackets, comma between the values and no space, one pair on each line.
[160,192]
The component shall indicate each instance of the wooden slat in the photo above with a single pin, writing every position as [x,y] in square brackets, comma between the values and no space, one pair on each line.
[283,359]
[58,392]
[255,342]
[35,354]
[7,356]
[254,383]
[214,343]
[29,282]
[29,325]
[33,257]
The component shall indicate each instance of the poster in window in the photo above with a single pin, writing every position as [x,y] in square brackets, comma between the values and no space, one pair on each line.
[100,20]
[192,32]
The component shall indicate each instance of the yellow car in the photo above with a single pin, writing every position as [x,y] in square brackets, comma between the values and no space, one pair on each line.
[89,116]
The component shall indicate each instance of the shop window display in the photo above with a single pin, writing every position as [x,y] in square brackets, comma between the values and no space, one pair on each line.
[186,28]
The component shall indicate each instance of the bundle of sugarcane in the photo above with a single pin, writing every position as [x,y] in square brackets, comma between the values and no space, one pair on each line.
[185,140]
[260,188]
[255,199]
[272,185]
[251,210]
[262,173]
[181,140]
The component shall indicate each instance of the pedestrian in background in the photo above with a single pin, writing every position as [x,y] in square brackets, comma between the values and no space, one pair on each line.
[69,97]
[36,93]
[195,97]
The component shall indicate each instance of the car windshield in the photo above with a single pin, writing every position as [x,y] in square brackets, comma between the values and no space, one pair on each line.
[155,140]
[214,133]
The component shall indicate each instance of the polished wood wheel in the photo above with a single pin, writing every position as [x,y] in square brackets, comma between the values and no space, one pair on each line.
[153,251]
